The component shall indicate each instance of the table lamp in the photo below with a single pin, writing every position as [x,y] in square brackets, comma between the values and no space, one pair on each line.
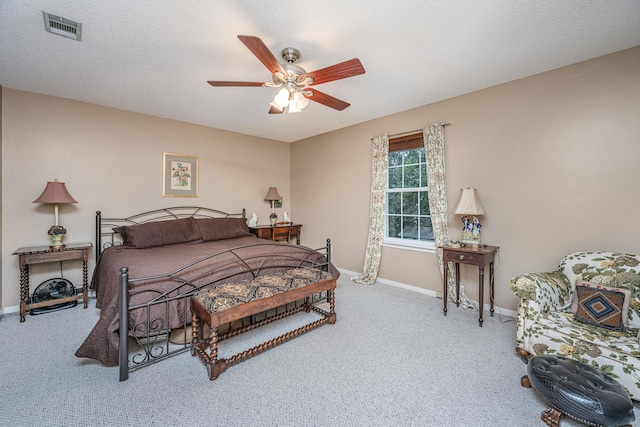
[468,204]
[56,193]
[272,196]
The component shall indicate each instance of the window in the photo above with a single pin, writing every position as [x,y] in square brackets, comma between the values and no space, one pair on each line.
[408,220]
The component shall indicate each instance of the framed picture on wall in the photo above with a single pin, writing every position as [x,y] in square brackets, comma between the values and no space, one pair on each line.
[179,175]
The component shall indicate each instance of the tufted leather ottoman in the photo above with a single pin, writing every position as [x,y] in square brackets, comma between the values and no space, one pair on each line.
[580,392]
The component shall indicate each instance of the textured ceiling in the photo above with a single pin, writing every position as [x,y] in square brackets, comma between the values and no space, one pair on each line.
[154,57]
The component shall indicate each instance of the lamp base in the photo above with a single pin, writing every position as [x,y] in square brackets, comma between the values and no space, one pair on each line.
[57,232]
[470,242]
[273,218]
[471,230]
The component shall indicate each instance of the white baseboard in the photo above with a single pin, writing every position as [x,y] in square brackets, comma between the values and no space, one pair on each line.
[8,310]
[487,307]
[503,311]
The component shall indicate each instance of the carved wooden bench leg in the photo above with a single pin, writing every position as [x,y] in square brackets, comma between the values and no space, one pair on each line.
[215,366]
[216,369]
[195,332]
[332,307]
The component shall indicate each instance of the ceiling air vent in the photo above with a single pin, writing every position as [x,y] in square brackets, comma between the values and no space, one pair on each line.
[62,26]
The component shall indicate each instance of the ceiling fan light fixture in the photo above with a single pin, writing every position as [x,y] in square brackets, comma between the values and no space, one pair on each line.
[292,103]
[300,101]
[282,98]
[293,108]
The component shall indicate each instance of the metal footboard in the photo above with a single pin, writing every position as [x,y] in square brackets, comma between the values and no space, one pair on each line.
[152,335]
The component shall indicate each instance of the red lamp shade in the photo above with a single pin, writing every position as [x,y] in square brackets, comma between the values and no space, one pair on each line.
[55,192]
[272,194]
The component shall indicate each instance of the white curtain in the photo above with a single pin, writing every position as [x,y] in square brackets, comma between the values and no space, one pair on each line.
[436,180]
[379,172]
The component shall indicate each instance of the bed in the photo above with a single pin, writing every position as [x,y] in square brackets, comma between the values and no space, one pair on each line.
[149,265]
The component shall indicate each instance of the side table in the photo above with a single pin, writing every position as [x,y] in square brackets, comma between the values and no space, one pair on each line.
[43,254]
[264,231]
[478,255]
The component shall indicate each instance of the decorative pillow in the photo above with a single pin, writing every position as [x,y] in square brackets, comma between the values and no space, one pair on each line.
[159,233]
[600,307]
[222,228]
[625,306]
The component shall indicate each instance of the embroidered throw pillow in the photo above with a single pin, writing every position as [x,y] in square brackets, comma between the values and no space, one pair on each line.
[600,307]
[625,306]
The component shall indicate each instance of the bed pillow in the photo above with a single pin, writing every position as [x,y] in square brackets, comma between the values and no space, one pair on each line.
[222,228]
[160,233]
[601,306]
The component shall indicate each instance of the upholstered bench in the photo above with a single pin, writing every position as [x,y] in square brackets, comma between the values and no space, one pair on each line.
[580,392]
[233,301]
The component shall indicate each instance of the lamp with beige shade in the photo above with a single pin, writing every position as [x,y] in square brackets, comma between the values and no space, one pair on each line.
[468,205]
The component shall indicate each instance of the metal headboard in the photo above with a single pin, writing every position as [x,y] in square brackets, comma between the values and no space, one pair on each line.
[104,226]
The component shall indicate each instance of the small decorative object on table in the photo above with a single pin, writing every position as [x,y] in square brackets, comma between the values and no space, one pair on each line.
[286,217]
[272,196]
[253,221]
[55,192]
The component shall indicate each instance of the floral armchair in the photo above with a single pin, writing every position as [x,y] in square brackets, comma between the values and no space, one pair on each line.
[546,323]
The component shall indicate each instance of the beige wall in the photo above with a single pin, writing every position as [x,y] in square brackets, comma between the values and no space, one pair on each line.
[111,161]
[1,150]
[555,158]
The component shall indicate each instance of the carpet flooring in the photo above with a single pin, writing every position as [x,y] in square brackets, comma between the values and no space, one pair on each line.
[392,359]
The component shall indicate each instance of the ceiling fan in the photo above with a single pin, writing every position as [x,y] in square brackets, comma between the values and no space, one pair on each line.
[293,80]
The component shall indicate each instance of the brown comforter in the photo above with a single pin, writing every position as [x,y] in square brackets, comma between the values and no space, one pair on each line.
[102,343]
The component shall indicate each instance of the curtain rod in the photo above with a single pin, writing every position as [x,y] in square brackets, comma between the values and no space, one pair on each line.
[413,131]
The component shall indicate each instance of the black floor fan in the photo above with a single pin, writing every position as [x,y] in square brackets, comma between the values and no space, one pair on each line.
[53,289]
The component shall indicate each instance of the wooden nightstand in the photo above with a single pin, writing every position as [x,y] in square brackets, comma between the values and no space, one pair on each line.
[44,254]
[478,255]
[264,231]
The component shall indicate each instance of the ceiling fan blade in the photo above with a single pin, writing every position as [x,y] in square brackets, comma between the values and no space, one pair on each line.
[350,68]
[262,52]
[325,99]
[246,84]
